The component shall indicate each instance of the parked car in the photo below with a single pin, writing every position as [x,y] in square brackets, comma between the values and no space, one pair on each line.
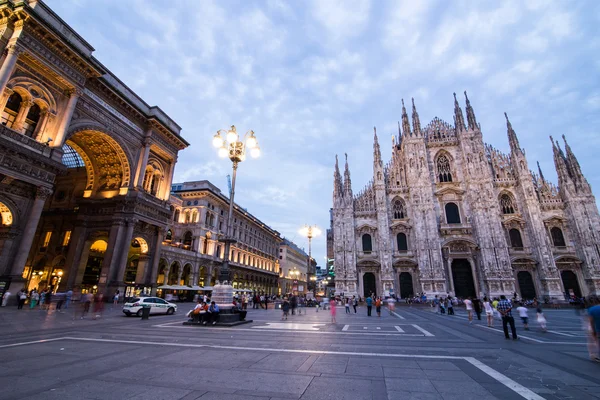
[157,306]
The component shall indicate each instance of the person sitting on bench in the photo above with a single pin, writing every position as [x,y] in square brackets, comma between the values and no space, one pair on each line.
[199,313]
[213,313]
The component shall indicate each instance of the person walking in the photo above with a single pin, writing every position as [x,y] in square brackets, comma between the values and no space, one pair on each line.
[593,314]
[541,319]
[48,299]
[378,306]
[369,301]
[116,299]
[5,298]
[354,303]
[504,308]
[489,312]
[522,310]
[35,297]
[294,304]
[347,305]
[391,305]
[285,308]
[469,306]
[333,311]
[68,298]
[450,306]
[22,297]
[477,308]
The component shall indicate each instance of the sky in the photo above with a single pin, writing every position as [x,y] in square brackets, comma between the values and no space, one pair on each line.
[312,79]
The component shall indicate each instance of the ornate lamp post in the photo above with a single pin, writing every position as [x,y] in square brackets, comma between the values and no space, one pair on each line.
[309,231]
[229,145]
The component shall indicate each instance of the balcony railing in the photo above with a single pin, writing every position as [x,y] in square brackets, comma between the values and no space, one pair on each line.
[21,139]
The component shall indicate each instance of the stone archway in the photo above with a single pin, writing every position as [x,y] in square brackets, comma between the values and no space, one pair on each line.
[570,283]
[369,284]
[462,277]
[406,285]
[526,285]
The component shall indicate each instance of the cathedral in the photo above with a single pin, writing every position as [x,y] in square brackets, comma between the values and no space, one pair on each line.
[452,215]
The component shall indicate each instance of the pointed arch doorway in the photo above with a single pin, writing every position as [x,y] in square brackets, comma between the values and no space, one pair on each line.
[406,285]
[369,284]
[462,277]
[570,283]
[526,285]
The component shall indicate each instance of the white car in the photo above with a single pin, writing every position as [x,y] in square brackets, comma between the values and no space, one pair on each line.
[157,306]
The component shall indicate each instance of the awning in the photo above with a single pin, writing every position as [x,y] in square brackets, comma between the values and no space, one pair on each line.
[181,287]
[209,288]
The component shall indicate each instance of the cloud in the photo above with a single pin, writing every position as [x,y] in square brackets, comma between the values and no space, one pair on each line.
[342,19]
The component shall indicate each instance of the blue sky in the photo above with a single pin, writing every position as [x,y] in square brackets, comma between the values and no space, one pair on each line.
[312,78]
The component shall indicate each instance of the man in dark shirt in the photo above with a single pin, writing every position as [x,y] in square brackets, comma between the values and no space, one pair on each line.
[504,308]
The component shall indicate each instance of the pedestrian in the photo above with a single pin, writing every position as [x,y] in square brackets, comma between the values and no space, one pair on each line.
[477,308]
[116,298]
[266,302]
[285,307]
[333,311]
[522,310]
[98,305]
[469,306]
[5,298]
[378,306]
[391,305]
[450,306]
[347,305]
[261,300]
[48,299]
[60,299]
[22,297]
[541,319]
[489,312]
[86,302]
[294,304]
[68,298]
[369,305]
[504,308]
[244,302]
[354,303]
[35,297]
[443,303]
[593,313]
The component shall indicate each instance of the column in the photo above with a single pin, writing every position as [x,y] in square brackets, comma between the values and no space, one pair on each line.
[195,270]
[142,162]
[114,240]
[4,98]
[66,117]
[208,277]
[119,271]
[41,125]
[29,231]
[8,67]
[142,267]
[23,111]
[74,255]
[166,190]
[152,275]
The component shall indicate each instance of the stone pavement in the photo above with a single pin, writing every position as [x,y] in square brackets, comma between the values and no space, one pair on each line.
[414,354]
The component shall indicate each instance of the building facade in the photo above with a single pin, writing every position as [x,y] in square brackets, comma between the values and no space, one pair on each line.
[85,164]
[192,253]
[293,261]
[451,214]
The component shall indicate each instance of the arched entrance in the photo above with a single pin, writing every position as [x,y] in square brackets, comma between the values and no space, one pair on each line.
[369,285]
[462,277]
[526,285]
[570,283]
[91,274]
[406,285]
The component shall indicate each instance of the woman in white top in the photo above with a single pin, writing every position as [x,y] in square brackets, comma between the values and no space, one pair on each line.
[489,311]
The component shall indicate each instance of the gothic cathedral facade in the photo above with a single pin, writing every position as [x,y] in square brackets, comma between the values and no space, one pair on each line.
[450,214]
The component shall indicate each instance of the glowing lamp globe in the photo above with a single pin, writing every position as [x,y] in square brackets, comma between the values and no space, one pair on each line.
[217,141]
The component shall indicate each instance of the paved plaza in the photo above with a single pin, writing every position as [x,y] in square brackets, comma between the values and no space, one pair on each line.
[414,354]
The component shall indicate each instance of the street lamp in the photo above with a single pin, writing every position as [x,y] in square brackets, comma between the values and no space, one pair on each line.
[310,231]
[229,145]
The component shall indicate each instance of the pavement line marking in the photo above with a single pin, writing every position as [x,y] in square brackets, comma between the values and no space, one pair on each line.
[521,336]
[399,329]
[398,315]
[232,330]
[364,327]
[426,333]
[505,380]
[562,334]
[345,328]
[32,342]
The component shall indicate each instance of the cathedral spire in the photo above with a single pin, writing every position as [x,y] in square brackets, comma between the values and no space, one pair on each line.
[405,123]
[541,173]
[513,141]
[337,180]
[471,120]
[347,182]
[560,164]
[575,170]
[376,150]
[415,119]
[459,119]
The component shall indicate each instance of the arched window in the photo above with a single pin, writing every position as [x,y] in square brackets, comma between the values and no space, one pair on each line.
[398,209]
[32,119]
[9,114]
[367,243]
[452,213]
[506,204]
[187,216]
[176,215]
[443,169]
[155,182]
[515,238]
[557,237]
[402,242]
[195,216]
[187,239]
[169,235]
